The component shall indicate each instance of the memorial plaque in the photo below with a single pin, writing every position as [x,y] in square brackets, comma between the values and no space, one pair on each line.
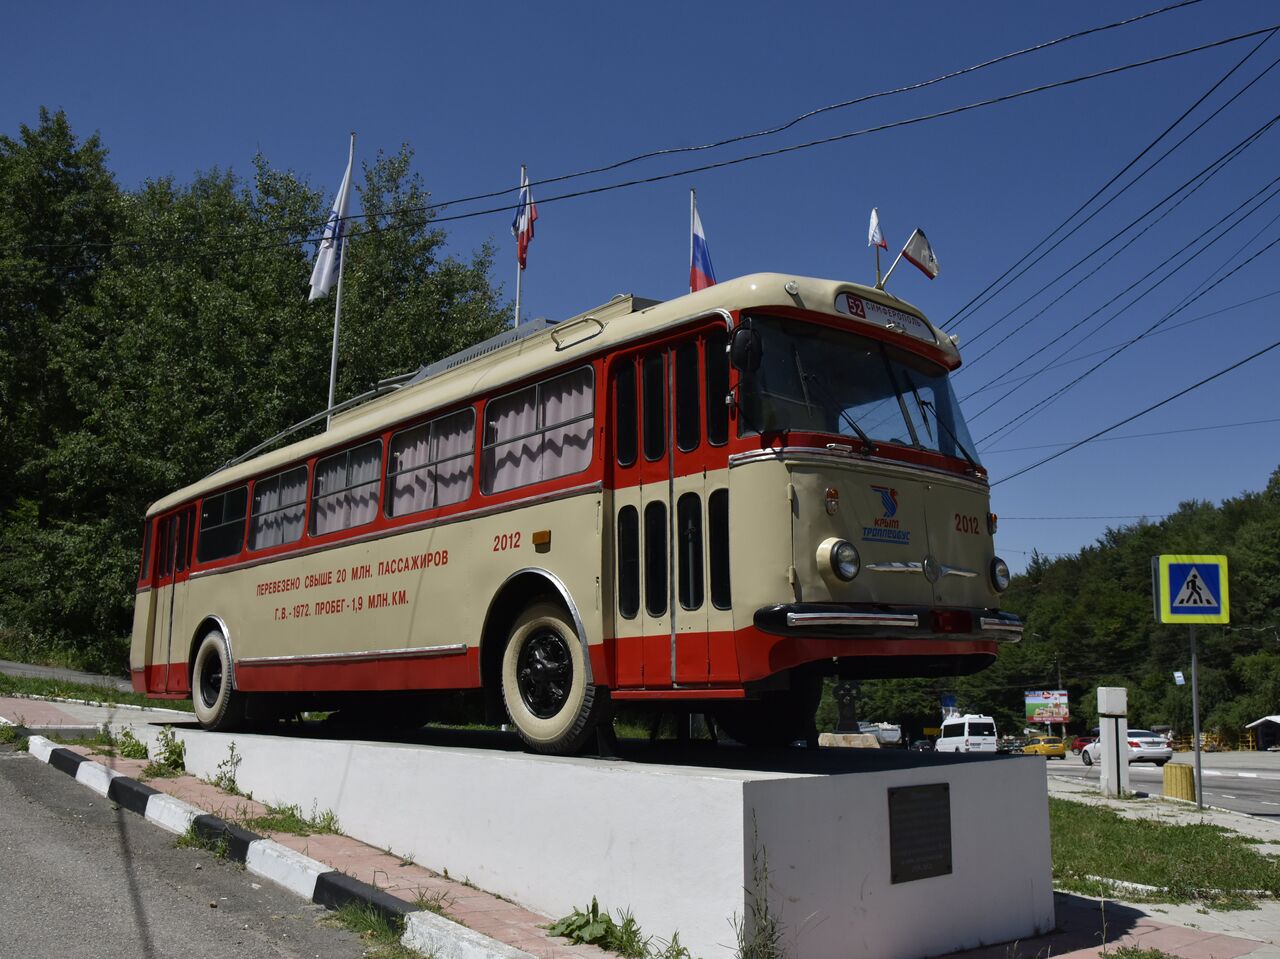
[919,832]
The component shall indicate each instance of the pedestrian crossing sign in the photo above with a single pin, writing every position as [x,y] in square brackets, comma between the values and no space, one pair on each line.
[1191,589]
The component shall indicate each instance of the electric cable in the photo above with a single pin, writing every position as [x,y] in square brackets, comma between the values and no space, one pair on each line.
[1134,436]
[959,316]
[1174,268]
[1120,349]
[734,161]
[1150,409]
[1204,175]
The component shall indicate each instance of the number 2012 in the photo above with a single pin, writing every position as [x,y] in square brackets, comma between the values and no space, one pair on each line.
[966,524]
[505,541]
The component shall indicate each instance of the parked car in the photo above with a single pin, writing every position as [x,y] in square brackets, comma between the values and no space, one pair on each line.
[1051,747]
[922,746]
[967,734]
[1080,742]
[1144,747]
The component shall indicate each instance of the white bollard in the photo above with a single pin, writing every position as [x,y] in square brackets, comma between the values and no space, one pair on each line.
[1113,738]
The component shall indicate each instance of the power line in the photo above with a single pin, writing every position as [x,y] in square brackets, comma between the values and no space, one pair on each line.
[780,128]
[1039,518]
[1129,419]
[1059,362]
[958,317]
[1204,175]
[779,151]
[1120,349]
[1174,269]
[1134,436]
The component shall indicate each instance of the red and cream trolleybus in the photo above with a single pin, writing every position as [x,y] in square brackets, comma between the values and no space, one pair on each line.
[712,502]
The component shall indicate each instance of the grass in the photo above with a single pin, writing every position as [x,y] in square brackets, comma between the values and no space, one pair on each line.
[170,757]
[380,933]
[1136,952]
[622,935]
[193,840]
[290,819]
[1197,862]
[63,689]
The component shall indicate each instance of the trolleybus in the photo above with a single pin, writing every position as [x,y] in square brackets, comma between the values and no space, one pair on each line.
[713,501]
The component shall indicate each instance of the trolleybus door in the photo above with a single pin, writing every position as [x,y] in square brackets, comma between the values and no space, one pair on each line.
[173,557]
[664,466]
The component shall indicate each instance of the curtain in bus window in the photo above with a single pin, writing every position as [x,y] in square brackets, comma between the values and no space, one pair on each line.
[453,443]
[411,490]
[362,498]
[513,443]
[328,509]
[567,400]
[292,504]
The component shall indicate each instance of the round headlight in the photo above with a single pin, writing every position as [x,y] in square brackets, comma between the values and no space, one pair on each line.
[999,574]
[845,561]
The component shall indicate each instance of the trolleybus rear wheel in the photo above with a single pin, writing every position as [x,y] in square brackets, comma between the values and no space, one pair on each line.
[217,705]
[544,682]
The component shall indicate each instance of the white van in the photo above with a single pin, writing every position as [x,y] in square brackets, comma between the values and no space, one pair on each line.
[967,734]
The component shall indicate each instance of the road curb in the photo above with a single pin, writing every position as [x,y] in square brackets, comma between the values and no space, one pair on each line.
[300,874]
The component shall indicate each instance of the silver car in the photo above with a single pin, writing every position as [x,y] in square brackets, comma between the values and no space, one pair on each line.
[1144,747]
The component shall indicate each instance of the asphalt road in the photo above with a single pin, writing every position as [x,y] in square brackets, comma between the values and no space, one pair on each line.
[81,878]
[10,668]
[1224,786]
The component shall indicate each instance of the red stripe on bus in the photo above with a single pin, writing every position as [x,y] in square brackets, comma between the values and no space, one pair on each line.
[409,672]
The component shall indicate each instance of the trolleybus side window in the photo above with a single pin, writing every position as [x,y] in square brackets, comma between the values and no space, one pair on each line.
[655,558]
[628,562]
[688,407]
[654,386]
[539,432]
[718,535]
[432,465]
[689,544]
[625,411]
[222,524]
[146,551]
[717,365]
[182,543]
[345,490]
[279,508]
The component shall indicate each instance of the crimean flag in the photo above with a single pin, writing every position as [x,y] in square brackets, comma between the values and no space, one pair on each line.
[874,236]
[522,225]
[329,252]
[701,273]
[919,253]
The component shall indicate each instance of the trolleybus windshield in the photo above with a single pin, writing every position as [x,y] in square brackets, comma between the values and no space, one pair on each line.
[817,379]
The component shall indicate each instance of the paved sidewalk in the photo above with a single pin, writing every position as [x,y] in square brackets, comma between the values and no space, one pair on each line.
[70,719]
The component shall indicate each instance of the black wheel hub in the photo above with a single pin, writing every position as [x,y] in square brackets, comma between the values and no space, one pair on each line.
[544,673]
[211,681]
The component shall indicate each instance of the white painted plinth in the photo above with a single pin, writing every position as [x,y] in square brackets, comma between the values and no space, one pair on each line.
[673,843]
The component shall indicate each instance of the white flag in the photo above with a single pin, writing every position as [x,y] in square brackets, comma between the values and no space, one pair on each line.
[918,252]
[874,236]
[329,254]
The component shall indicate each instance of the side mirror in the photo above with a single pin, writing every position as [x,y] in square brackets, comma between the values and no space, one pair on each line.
[745,349]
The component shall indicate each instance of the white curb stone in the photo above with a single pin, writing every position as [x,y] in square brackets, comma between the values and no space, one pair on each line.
[95,776]
[171,814]
[41,748]
[443,938]
[284,866]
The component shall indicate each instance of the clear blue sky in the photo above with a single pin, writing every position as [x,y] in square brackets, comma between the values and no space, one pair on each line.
[477,89]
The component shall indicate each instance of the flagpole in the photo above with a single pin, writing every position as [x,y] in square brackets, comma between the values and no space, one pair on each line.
[519,268]
[337,303]
[693,212]
[877,267]
[880,285]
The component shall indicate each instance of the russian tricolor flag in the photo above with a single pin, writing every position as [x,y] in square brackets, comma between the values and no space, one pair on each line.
[701,274]
[522,225]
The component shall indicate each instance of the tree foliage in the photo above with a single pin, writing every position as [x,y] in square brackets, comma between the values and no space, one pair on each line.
[148,335]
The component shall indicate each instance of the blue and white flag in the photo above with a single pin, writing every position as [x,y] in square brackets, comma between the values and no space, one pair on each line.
[329,253]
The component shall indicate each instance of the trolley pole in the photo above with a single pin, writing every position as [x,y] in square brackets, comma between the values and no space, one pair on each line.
[1195,716]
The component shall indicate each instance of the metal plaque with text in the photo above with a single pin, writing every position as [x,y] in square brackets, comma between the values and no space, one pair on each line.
[919,832]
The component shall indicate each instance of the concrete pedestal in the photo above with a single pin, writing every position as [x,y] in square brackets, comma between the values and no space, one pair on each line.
[674,842]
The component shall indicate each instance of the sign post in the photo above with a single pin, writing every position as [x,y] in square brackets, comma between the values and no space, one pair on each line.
[1192,590]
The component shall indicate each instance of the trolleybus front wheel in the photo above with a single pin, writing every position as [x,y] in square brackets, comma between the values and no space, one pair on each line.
[217,705]
[544,682]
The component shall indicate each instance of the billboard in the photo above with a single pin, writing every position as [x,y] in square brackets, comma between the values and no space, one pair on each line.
[1047,706]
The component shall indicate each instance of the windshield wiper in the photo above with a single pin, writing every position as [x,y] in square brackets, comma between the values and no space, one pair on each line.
[955,439]
[867,445]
